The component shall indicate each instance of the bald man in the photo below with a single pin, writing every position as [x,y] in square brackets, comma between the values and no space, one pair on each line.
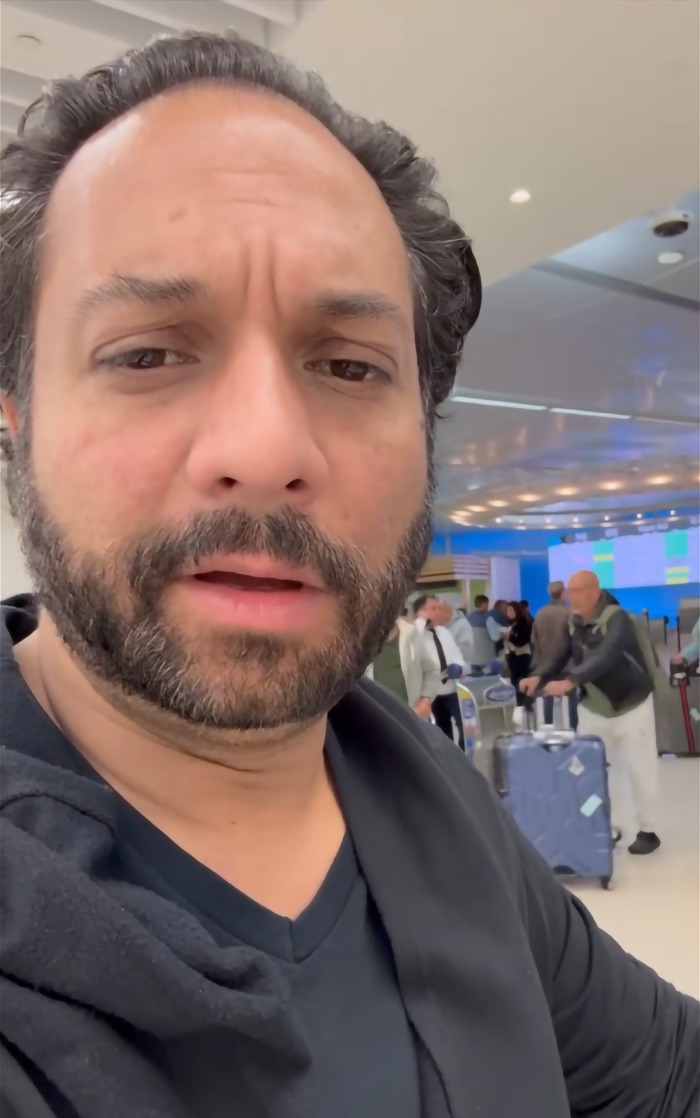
[603,656]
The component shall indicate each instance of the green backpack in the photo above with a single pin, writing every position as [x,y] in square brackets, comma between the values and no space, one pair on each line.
[651,662]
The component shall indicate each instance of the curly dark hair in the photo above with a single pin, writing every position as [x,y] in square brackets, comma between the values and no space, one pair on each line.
[446,276]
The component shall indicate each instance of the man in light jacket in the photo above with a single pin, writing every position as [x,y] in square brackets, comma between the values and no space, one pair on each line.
[437,612]
[445,653]
[406,666]
[459,628]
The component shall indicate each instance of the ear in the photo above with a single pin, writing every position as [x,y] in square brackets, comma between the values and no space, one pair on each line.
[10,415]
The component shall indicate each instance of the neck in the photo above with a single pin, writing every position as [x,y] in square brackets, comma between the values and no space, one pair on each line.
[209,791]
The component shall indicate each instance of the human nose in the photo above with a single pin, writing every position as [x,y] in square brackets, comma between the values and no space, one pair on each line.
[257,434]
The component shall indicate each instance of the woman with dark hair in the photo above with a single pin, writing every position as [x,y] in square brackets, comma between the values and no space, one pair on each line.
[518,647]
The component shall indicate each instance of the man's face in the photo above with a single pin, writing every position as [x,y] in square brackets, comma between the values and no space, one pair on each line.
[444,613]
[584,595]
[432,612]
[225,378]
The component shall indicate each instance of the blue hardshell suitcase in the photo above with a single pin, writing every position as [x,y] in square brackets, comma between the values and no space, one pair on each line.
[556,787]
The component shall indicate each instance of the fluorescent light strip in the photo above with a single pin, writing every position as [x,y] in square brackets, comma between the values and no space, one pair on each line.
[594,414]
[497,403]
[658,419]
[520,405]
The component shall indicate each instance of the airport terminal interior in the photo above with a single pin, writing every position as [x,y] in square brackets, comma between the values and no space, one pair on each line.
[566,137]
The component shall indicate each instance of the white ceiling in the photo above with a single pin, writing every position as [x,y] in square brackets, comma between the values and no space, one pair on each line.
[594,108]
[601,327]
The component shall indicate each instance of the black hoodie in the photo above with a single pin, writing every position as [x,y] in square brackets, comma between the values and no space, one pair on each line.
[522,1007]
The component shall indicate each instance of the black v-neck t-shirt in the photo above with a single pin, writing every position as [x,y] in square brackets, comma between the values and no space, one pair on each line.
[335,957]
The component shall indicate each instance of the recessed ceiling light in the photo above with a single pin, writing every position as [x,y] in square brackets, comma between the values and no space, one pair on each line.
[639,516]
[567,491]
[499,519]
[476,508]
[606,518]
[673,512]
[529,497]
[521,195]
[611,485]
[670,257]
[499,504]
[660,479]
[577,520]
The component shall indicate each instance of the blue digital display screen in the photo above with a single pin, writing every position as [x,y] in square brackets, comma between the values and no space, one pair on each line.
[641,557]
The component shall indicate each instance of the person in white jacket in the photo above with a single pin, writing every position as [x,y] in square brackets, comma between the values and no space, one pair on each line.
[460,628]
[407,666]
[442,647]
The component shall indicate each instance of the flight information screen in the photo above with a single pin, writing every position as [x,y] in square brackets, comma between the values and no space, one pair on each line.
[643,557]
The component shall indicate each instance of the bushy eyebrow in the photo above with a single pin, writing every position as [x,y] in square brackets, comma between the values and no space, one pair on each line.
[359,305]
[126,289]
[130,289]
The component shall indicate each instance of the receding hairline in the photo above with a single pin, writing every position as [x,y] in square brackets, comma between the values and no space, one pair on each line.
[584,578]
[241,90]
[248,93]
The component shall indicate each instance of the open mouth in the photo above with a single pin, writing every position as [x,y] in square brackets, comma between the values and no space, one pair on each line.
[264,596]
[235,581]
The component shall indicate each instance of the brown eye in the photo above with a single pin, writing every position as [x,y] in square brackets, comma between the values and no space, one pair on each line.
[353,372]
[145,357]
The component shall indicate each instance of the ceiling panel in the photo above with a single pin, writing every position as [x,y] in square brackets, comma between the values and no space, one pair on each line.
[550,339]
[583,348]
[631,251]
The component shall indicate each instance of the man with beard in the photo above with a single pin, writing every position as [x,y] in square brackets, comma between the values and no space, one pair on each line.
[234,878]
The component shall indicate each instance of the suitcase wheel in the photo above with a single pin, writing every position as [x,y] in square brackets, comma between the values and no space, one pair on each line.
[607,883]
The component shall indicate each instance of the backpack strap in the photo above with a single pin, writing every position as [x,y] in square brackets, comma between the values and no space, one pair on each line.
[601,622]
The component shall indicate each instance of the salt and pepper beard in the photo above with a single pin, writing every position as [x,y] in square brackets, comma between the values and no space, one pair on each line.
[109,611]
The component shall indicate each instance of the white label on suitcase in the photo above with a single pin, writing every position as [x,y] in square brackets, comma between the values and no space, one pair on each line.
[591,806]
[576,768]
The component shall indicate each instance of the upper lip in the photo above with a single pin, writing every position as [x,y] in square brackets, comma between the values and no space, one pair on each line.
[257,567]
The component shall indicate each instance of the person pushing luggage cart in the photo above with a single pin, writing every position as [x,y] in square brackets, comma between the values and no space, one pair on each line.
[605,658]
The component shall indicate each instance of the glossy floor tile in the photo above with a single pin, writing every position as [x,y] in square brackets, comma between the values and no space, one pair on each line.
[653,911]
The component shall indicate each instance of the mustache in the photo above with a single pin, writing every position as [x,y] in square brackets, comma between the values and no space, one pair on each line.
[287,535]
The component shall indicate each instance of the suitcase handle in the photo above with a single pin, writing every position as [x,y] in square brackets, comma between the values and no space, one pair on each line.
[534,713]
[554,744]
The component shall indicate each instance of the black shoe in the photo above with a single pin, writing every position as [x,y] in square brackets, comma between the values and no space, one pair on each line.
[646,842]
